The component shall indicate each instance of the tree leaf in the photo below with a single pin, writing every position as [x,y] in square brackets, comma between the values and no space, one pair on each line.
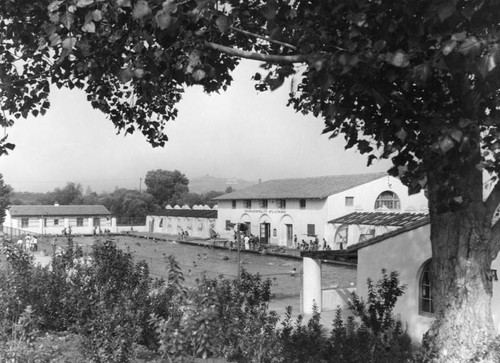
[169,6]
[97,15]
[124,3]
[141,9]
[54,6]
[89,27]
[445,11]
[398,59]
[69,43]
[379,45]
[223,23]
[199,74]
[470,45]
[84,3]
[126,75]
[449,46]
[163,20]
[269,10]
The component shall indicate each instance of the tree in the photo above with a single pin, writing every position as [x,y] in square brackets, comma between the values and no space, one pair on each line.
[70,194]
[5,192]
[167,187]
[414,81]
[130,206]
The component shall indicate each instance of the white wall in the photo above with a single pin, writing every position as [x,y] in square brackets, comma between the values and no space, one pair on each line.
[314,213]
[405,253]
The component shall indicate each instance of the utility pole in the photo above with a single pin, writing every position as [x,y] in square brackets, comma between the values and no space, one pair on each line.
[239,243]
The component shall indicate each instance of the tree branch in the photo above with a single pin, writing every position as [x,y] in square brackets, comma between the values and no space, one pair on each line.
[271,58]
[267,39]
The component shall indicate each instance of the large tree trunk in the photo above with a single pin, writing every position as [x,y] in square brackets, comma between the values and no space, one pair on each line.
[462,253]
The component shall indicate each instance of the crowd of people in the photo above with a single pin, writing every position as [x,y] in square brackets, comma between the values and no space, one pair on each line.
[29,243]
[311,245]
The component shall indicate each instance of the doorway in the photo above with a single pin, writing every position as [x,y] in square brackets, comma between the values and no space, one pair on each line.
[289,235]
[265,232]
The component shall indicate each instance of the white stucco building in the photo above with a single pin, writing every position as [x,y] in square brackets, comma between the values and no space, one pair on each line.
[53,219]
[408,251]
[278,210]
[196,222]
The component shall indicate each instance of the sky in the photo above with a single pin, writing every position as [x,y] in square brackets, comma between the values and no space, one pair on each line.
[236,134]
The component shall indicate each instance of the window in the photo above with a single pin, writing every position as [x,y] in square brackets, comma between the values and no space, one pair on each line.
[425,287]
[349,201]
[247,203]
[97,222]
[45,222]
[311,230]
[263,203]
[302,203]
[233,202]
[79,222]
[24,222]
[56,222]
[342,236]
[281,203]
[388,200]
[229,225]
[161,222]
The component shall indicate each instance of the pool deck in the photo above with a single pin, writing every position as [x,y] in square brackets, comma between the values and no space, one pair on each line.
[271,250]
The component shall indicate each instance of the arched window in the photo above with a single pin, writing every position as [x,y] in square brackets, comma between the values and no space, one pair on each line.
[426,305]
[341,236]
[388,200]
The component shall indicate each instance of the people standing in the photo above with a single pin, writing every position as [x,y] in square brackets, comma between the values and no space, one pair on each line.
[247,242]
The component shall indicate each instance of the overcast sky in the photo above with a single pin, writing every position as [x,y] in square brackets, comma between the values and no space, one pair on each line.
[239,133]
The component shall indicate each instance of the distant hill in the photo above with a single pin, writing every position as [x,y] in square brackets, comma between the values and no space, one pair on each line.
[207,183]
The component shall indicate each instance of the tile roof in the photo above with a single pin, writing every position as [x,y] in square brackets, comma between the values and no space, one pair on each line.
[59,211]
[314,188]
[380,218]
[193,213]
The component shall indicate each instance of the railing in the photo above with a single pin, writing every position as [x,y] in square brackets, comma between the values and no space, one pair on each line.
[11,234]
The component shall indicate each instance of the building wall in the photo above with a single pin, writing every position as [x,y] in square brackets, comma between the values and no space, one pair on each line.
[406,253]
[364,201]
[196,227]
[37,224]
[314,213]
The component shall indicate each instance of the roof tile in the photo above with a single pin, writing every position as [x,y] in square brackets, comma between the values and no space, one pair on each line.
[314,187]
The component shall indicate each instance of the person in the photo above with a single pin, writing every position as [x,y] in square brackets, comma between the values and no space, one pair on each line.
[324,244]
[20,243]
[295,242]
[247,242]
[294,271]
[69,230]
[34,243]
[95,230]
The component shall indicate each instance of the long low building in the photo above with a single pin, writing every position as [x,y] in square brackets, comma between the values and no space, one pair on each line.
[174,221]
[54,219]
[286,211]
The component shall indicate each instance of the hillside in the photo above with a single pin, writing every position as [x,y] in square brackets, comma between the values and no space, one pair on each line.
[206,183]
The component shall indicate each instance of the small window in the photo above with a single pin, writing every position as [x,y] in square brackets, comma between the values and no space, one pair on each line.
[311,230]
[24,222]
[425,286]
[349,201]
[229,225]
[56,222]
[247,203]
[233,203]
[79,222]
[281,203]
[263,203]
[302,203]
[388,200]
